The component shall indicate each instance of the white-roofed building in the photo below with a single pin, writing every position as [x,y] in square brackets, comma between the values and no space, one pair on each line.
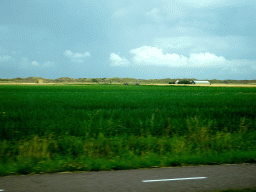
[201,82]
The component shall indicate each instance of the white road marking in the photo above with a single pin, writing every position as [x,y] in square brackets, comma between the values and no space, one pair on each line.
[174,179]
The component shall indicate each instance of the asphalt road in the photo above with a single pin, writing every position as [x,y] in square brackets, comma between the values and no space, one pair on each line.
[177,179]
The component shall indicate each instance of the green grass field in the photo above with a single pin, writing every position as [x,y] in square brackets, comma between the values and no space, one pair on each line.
[104,127]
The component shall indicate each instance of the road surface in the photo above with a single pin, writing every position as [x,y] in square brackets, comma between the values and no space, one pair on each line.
[197,178]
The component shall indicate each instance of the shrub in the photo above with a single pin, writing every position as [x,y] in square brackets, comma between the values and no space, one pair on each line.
[184,82]
[94,80]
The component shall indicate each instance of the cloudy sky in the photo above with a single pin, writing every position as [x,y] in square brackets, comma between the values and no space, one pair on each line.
[145,39]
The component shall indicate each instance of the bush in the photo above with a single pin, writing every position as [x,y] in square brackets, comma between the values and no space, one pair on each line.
[184,82]
[94,80]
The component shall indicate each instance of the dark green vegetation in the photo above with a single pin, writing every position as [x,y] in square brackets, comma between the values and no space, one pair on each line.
[181,82]
[103,127]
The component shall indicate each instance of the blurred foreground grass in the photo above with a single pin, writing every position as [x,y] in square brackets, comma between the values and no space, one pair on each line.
[69,153]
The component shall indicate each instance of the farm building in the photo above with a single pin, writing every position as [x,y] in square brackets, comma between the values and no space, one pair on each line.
[40,81]
[201,82]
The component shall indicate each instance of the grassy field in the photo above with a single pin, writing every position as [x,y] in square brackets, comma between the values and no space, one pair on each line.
[105,127]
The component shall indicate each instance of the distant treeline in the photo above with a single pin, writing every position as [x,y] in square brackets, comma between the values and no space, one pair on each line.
[121,80]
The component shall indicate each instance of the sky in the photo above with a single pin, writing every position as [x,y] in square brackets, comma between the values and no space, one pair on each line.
[146,39]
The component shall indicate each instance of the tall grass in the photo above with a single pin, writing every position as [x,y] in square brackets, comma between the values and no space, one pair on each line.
[59,128]
[66,152]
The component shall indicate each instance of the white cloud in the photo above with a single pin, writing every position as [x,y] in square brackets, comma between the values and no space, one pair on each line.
[6,61]
[26,63]
[154,56]
[24,60]
[165,14]
[116,60]
[68,53]
[123,12]
[148,58]
[154,12]
[4,29]
[208,3]
[49,64]
[155,15]
[239,67]
[5,58]
[212,44]
[76,57]
[80,55]
[147,55]
[35,63]
[206,59]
